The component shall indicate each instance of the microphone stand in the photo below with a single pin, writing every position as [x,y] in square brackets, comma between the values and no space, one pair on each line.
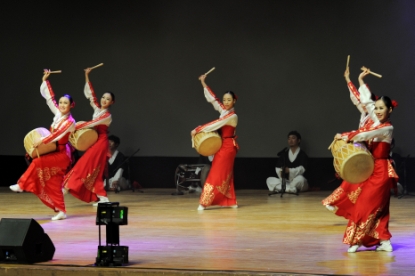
[129,174]
[281,154]
[283,183]
[283,176]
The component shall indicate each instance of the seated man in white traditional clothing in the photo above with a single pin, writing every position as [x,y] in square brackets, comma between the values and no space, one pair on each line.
[292,164]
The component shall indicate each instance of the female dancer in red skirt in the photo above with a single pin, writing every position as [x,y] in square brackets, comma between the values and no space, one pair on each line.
[365,121]
[45,174]
[367,207]
[85,180]
[219,186]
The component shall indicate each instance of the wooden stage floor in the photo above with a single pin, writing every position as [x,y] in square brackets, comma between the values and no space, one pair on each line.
[166,235]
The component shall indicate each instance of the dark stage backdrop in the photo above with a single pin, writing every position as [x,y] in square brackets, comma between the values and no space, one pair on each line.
[284,59]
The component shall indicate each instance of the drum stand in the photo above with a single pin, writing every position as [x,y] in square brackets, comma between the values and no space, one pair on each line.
[185,173]
[405,187]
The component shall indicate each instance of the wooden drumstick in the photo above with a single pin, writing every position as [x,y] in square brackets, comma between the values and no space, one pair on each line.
[209,71]
[53,72]
[96,66]
[370,72]
[348,60]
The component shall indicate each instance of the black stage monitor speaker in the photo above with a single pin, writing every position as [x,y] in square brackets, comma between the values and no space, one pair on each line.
[24,241]
[112,255]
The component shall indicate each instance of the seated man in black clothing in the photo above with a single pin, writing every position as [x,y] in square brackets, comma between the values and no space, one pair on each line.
[115,167]
[292,164]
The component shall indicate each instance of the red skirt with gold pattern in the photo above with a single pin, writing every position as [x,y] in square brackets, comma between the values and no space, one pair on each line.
[86,179]
[44,178]
[366,206]
[219,186]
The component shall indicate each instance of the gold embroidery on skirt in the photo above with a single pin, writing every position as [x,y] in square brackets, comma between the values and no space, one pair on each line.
[207,195]
[354,195]
[45,197]
[228,194]
[90,179]
[67,177]
[333,197]
[224,188]
[373,233]
[391,171]
[45,174]
[355,233]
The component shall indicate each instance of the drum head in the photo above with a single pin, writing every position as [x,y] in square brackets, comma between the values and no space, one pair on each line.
[210,146]
[358,168]
[33,137]
[85,139]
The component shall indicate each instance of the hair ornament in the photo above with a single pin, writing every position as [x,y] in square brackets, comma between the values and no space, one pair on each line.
[232,94]
[70,100]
